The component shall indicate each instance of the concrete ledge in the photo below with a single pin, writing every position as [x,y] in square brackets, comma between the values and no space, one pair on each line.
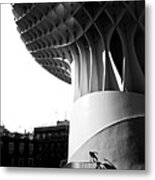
[81,165]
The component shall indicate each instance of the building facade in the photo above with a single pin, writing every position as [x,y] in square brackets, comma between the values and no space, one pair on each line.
[51,145]
[105,41]
[17,150]
[46,147]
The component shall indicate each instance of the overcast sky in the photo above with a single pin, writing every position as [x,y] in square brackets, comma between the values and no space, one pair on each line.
[31,96]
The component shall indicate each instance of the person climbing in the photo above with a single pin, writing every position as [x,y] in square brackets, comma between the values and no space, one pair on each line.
[93,155]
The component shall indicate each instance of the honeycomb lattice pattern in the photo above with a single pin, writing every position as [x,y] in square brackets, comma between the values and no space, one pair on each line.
[58,33]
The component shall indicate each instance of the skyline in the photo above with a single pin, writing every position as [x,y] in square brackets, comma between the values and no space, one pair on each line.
[30,95]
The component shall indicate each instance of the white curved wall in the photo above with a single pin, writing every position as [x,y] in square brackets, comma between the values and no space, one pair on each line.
[93,112]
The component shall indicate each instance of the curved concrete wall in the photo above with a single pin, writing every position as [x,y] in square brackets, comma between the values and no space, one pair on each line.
[123,144]
[96,111]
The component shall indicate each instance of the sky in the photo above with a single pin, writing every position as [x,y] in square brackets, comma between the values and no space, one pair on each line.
[30,96]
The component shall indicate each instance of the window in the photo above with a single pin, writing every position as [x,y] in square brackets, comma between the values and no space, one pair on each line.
[40,147]
[49,135]
[44,136]
[11,147]
[1,143]
[30,148]
[12,161]
[56,134]
[51,147]
[30,162]
[62,133]
[38,136]
[21,162]
[58,145]
[21,148]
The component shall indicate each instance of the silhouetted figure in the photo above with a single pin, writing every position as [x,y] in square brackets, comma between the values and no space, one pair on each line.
[93,156]
[99,165]
[108,165]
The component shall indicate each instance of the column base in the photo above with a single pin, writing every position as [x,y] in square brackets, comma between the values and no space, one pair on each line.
[111,124]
